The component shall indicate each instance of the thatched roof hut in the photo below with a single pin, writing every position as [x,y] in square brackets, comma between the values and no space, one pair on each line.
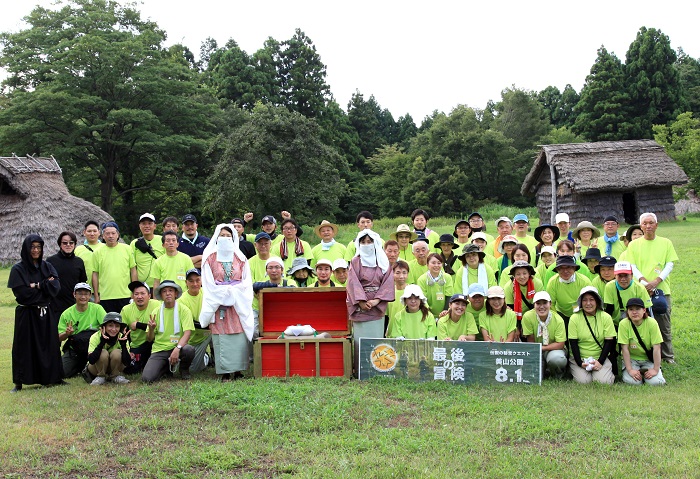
[34,199]
[594,180]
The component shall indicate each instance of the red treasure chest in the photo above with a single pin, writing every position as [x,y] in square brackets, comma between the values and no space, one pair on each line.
[322,308]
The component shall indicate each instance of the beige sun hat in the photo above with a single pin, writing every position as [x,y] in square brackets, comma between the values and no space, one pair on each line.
[317,229]
[403,228]
[582,226]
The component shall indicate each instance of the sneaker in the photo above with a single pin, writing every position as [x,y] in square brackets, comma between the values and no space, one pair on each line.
[98,381]
[669,360]
[185,374]
[120,380]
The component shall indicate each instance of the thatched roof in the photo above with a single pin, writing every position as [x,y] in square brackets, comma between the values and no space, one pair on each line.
[606,165]
[34,199]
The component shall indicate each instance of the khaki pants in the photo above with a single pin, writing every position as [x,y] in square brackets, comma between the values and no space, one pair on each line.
[109,365]
[604,376]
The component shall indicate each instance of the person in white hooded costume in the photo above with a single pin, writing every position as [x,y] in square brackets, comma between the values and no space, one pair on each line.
[227,304]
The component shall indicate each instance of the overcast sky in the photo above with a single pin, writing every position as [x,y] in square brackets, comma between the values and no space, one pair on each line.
[417,57]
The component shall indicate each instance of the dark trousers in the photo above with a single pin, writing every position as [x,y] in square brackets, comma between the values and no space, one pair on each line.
[159,363]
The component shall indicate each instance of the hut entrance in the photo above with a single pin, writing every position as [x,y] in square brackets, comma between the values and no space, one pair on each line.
[629,208]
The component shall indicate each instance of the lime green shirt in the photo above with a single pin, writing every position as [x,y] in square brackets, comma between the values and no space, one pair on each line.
[412,325]
[473,277]
[635,290]
[86,255]
[173,268]
[167,340]
[565,295]
[194,304]
[337,251]
[601,324]
[131,313]
[446,328]
[144,261]
[415,271]
[649,332]
[650,258]
[437,294]
[95,341]
[555,328]
[498,326]
[113,266]
[510,293]
[91,318]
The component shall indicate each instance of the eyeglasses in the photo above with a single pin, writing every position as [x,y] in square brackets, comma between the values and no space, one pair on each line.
[67,243]
[610,223]
[35,248]
[289,228]
[274,267]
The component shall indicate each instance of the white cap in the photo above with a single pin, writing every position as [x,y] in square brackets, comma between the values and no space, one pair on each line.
[548,249]
[325,261]
[148,216]
[542,296]
[503,218]
[561,217]
[623,267]
[413,290]
[274,259]
[340,263]
[478,235]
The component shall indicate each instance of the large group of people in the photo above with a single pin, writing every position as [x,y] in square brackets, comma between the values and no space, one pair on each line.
[178,302]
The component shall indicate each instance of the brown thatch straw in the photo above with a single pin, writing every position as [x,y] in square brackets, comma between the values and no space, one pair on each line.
[34,199]
[606,165]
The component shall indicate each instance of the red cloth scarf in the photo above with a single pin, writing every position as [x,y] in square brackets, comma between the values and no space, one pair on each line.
[518,296]
[298,248]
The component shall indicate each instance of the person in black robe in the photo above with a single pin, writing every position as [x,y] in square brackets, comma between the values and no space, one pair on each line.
[71,271]
[36,357]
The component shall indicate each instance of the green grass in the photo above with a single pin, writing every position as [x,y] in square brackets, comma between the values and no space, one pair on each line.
[382,428]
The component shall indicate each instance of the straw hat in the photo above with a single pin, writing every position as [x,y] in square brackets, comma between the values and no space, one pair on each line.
[317,229]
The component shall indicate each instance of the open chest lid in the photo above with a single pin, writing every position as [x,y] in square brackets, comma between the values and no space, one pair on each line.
[323,308]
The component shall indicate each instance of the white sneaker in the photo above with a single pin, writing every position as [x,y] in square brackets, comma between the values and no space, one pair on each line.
[120,380]
[98,381]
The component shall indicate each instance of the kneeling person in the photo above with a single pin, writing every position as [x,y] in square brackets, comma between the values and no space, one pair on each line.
[108,352]
[169,329]
[457,324]
[640,339]
[542,325]
[200,338]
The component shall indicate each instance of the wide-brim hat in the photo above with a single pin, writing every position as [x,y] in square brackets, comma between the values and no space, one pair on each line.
[446,238]
[566,261]
[299,264]
[521,264]
[605,261]
[167,284]
[404,228]
[466,222]
[630,230]
[591,253]
[471,248]
[585,225]
[113,317]
[506,239]
[541,228]
[413,290]
[317,229]
[589,290]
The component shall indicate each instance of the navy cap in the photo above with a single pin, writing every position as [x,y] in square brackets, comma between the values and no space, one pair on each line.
[476,213]
[635,302]
[189,217]
[237,220]
[458,297]
[269,219]
[262,235]
[192,271]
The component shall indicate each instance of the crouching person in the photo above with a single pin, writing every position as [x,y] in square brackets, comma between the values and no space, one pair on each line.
[640,339]
[108,352]
[169,329]
[542,325]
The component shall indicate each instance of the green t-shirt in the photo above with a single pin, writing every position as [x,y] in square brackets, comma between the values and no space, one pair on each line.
[530,242]
[130,313]
[470,309]
[91,318]
[113,266]
[617,247]
[565,295]
[446,328]
[337,251]
[635,290]
[412,325]
[510,294]
[473,277]
[650,258]
[498,326]
[167,339]
[599,284]
[291,254]
[95,341]
[601,324]
[437,294]
[406,254]
[415,271]
[173,268]
[556,327]
[86,255]
[550,271]
[144,261]
[257,269]
[194,304]
[393,307]
[649,332]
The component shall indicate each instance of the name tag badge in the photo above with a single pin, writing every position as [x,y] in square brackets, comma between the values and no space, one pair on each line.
[181,277]
[174,338]
[633,346]
[440,296]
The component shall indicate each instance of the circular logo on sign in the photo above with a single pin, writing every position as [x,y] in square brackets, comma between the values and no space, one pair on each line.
[384,358]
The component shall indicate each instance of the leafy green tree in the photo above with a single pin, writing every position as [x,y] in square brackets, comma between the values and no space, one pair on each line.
[405,130]
[682,142]
[387,186]
[565,113]
[550,98]
[653,82]
[303,76]
[274,161]
[375,127]
[92,84]
[601,109]
[689,73]
[521,118]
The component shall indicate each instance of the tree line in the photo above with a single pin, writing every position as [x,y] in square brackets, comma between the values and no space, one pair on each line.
[139,126]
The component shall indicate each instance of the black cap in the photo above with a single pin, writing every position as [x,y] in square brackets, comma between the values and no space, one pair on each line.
[189,217]
[421,237]
[192,271]
[269,219]
[610,218]
[476,213]
[138,284]
[446,238]
[635,302]
[238,220]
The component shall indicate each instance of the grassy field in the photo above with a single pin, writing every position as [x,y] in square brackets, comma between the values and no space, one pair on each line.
[339,428]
